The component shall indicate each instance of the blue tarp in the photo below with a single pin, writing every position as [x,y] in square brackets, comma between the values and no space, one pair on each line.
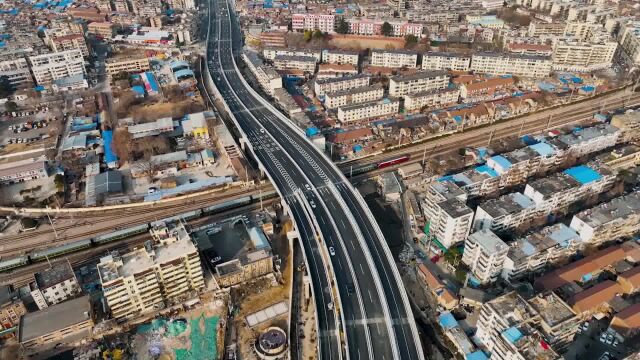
[583,174]
[218,180]
[529,140]
[447,321]
[178,64]
[543,149]
[109,155]
[357,148]
[477,355]
[312,131]
[512,334]
[588,88]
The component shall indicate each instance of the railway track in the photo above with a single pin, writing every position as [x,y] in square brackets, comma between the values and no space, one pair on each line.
[23,275]
[8,243]
[480,137]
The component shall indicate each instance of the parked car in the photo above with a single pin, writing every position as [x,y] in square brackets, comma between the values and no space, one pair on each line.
[332,251]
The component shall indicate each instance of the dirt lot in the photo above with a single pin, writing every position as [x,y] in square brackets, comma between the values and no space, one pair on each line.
[356,42]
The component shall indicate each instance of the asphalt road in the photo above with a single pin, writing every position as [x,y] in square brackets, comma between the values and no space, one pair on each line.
[375,316]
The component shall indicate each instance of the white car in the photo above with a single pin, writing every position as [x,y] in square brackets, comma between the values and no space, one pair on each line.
[312,203]
[332,251]
[585,326]
[306,186]
[330,306]
[603,338]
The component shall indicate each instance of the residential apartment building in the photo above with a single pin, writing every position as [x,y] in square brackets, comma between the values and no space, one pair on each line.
[445,61]
[336,99]
[128,64]
[101,29]
[59,43]
[520,65]
[448,222]
[629,40]
[16,69]
[322,22]
[572,55]
[305,64]
[323,86]
[585,141]
[437,192]
[249,266]
[54,66]
[511,327]
[271,53]
[273,38]
[400,85]
[533,253]
[484,254]
[429,279]
[336,56]
[372,27]
[609,221]
[67,321]
[505,213]
[368,110]
[267,77]
[11,308]
[394,58]
[554,193]
[54,285]
[541,29]
[486,89]
[431,99]
[148,278]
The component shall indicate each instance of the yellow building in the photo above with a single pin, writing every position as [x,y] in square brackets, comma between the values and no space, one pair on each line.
[196,126]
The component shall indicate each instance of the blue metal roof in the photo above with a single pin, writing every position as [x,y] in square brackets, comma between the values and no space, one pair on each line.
[447,321]
[543,149]
[179,63]
[184,72]
[583,174]
[512,334]
[109,155]
[502,161]
[487,170]
[138,89]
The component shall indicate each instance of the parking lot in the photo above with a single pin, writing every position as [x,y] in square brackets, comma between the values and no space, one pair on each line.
[588,345]
[27,127]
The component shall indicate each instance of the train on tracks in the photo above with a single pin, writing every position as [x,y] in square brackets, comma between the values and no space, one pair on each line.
[350,171]
[52,252]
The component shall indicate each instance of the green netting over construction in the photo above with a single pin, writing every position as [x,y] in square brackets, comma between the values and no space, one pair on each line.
[203,343]
[172,328]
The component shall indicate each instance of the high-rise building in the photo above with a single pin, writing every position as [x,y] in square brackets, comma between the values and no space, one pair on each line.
[484,254]
[58,65]
[148,278]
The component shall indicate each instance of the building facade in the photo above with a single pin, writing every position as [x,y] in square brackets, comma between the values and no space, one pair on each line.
[336,99]
[520,65]
[115,66]
[323,86]
[445,61]
[400,85]
[484,254]
[54,285]
[148,278]
[394,58]
[368,110]
[54,66]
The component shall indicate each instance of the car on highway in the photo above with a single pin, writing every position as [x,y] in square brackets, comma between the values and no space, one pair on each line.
[332,251]
[312,203]
[330,306]
[306,186]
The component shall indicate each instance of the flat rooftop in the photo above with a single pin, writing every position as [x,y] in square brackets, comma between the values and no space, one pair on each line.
[53,318]
[430,74]
[507,204]
[618,208]
[489,241]
[357,90]
[59,272]
[552,308]
[558,235]
[587,134]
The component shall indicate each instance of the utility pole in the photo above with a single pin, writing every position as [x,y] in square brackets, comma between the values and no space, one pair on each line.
[424,154]
[548,122]
[55,233]
[261,199]
[521,127]
[490,138]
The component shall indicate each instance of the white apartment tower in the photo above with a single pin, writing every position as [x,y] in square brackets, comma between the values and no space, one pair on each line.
[146,279]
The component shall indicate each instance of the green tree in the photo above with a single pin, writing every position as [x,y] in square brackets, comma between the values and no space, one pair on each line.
[453,256]
[318,35]
[59,181]
[307,35]
[343,26]
[11,106]
[410,41]
[387,29]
